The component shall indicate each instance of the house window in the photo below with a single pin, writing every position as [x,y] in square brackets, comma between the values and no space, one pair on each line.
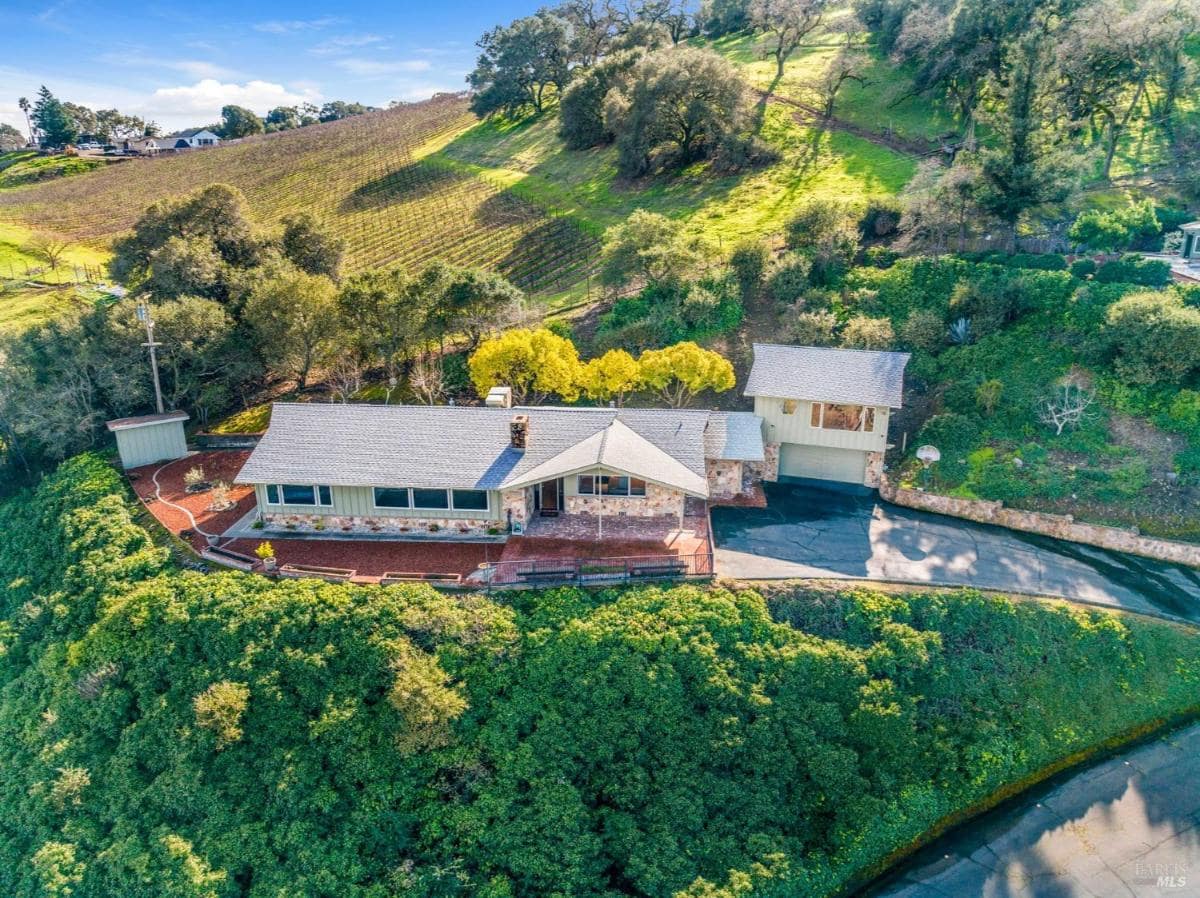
[610,485]
[391,497]
[835,416]
[470,500]
[436,499]
[790,406]
[299,494]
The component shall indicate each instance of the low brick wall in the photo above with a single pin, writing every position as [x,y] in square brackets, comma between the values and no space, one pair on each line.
[1058,526]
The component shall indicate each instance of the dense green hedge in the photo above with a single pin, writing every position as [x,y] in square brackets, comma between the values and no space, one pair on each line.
[171,733]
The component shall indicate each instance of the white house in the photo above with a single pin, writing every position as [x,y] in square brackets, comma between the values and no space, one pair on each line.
[192,138]
[826,411]
[142,146]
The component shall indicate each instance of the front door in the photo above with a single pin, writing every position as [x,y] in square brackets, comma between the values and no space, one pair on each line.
[551,497]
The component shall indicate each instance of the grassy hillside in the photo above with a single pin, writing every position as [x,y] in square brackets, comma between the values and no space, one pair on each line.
[30,291]
[21,167]
[173,733]
[409,184]
[368,176]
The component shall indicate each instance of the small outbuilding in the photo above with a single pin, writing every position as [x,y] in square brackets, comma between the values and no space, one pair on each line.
[145,439]
[1191,242]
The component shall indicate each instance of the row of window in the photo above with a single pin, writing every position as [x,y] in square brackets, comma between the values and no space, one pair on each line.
[835,416]
[298,494]
[384,497]
[431,499]
[610,485]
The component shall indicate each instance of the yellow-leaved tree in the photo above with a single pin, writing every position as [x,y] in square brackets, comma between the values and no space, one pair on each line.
[535,363]
[611,376]
[677,373]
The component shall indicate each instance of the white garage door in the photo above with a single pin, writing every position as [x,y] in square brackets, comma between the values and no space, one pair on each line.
[823,463]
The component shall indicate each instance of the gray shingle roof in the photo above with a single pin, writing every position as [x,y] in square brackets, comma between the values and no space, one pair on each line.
[461,446]
[617,446]
[734,436]
[827,375]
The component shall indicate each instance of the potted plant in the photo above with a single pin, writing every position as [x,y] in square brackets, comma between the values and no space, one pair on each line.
[266,552]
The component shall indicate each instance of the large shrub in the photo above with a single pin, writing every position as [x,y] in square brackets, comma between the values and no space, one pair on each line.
[1153,337]
[1134,269]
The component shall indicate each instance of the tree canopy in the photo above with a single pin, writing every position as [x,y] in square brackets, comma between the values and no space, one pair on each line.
[519,62]
[168,733]
[687,99]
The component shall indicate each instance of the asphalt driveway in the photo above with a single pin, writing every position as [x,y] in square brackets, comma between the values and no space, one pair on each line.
[1124,828]
[808,531]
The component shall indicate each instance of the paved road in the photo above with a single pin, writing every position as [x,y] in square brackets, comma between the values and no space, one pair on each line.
[1126,828]
[810,532]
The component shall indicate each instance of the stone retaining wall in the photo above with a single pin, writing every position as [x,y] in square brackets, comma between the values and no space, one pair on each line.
[1058,526]
[227,440]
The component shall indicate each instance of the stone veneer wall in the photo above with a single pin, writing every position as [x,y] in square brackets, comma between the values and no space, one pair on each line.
[520,503]
[657,501]
[874,472]
[447,527]
[1058,526]
[768,468]
[724,478]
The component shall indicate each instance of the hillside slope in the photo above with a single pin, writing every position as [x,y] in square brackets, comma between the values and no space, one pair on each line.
[368,176]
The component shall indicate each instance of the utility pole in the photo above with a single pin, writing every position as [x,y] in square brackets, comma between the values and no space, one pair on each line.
[143,315]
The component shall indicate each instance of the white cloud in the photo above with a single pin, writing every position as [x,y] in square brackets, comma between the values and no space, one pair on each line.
[193,68]
[292,26]
[346,42]
[202,101]
[376,68]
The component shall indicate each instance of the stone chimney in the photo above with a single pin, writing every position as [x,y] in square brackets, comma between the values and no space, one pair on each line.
[499,397]
[518,432]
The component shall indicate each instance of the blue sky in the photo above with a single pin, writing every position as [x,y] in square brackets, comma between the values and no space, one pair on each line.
[178,62]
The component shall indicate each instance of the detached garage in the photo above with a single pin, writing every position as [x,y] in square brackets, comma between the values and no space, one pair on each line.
[827,410]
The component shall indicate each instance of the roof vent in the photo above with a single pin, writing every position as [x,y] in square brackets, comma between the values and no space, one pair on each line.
[499,397]
[518,432]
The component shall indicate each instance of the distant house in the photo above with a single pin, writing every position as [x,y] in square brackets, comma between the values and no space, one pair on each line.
[141,146]
[827,410]
[192,138]
[472,470]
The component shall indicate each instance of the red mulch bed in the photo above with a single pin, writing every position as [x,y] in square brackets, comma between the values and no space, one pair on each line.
[374,558]
[217,465]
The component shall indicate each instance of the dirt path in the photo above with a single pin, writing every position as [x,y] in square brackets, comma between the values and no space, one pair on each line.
[810,115]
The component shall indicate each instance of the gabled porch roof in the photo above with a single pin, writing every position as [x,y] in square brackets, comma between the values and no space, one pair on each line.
[619,448]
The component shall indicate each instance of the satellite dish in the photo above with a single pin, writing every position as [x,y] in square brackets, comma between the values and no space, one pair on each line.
[928,455]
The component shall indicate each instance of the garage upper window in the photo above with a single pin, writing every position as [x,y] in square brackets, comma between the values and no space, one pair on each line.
[836,416]
[790,406]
